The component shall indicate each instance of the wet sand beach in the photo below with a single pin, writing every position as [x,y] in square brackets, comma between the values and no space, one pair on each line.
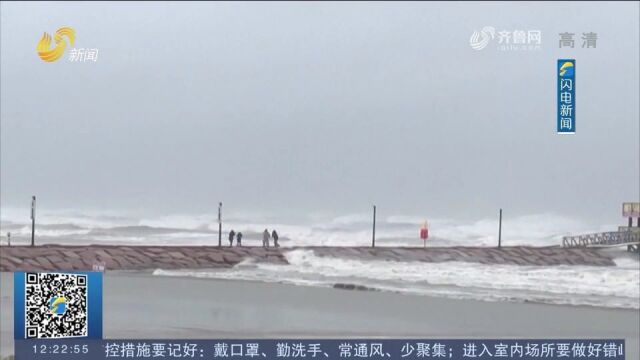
[139,305]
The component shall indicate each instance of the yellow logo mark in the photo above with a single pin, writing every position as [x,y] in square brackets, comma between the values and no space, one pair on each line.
[44,45]
[565,66]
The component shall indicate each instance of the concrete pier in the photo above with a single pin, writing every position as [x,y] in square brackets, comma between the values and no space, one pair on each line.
[59,257]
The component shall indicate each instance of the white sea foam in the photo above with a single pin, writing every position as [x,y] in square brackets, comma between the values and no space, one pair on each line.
[67,226]
[614,286]
[575,285]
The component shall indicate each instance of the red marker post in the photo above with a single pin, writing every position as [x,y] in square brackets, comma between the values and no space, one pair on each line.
[424,233]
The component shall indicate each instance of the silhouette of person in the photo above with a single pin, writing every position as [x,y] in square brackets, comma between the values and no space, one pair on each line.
[231,235]
[265,238]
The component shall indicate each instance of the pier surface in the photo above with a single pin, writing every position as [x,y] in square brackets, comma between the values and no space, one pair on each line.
[114,257]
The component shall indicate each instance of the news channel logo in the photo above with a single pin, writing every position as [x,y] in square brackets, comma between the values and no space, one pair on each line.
[52,48]
[566,69]
[566,119]
[57,305]
[61,37]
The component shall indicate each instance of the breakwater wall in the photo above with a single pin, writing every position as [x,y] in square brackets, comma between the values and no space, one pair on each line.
[114,257]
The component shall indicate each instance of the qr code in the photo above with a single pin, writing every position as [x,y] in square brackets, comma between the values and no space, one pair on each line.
[55,305]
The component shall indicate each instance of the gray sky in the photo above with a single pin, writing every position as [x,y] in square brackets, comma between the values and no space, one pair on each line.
[294,107]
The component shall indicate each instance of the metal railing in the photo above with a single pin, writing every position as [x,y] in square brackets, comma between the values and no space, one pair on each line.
[603,238]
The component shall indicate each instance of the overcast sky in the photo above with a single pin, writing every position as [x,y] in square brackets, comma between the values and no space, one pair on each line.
[296,107]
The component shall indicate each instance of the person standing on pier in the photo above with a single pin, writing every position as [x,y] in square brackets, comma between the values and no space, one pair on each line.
[239,239]
[265,238]
[274,235]
[231,235]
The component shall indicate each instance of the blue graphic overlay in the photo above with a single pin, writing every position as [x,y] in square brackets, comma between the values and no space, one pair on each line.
[570,349]
[57,305]
[566,122]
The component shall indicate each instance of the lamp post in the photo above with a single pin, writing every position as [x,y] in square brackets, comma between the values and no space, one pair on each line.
[373,236]
[220,224]
[500,230]
[33,220]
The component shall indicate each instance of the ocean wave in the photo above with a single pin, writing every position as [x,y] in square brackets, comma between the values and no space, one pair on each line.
[107,227]
[574,285]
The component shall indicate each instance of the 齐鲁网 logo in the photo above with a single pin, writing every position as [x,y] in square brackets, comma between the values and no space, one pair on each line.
[49,54]
[506,40]
[479,40]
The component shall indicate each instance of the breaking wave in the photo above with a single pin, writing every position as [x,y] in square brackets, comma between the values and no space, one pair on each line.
[73,227]
[615,287]
[575,285]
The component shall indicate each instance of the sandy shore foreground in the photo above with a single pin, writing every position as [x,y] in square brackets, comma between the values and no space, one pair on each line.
[139,305]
